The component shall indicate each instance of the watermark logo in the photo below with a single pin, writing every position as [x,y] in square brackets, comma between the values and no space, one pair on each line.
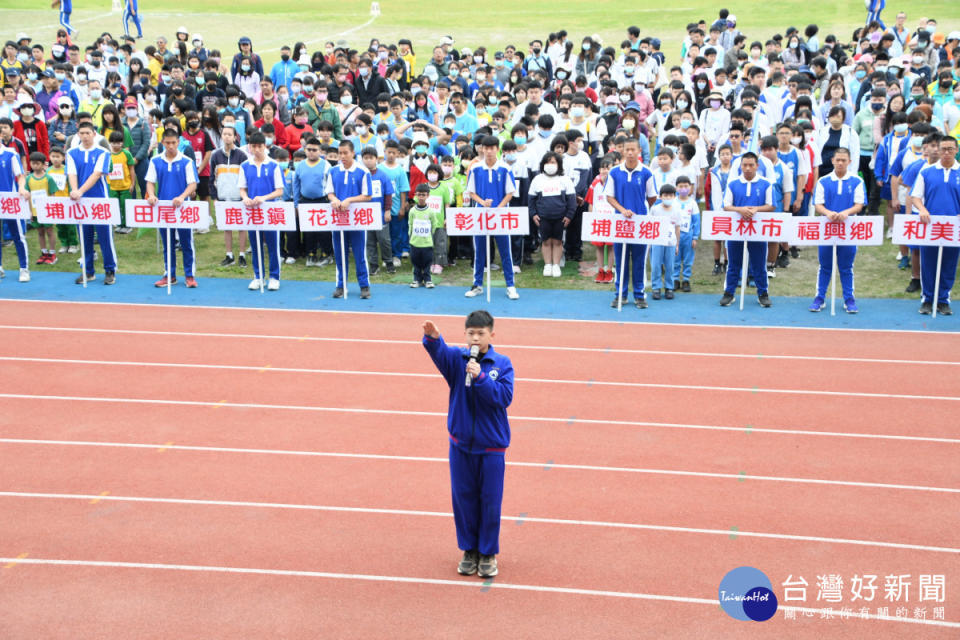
[747,594]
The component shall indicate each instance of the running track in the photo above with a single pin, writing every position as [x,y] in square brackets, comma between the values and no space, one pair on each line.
[257,473]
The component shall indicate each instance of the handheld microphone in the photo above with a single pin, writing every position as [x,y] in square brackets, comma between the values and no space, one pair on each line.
[474,352]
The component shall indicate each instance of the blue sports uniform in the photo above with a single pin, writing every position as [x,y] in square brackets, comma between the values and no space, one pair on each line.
[747,193]
[83,163]
[348,183]
[131,11]
[838,194]
[683,263]
[479,433]
[66,8]
[170,179]
[260,180]
[939,190]
[633,189]
[10,170]
[494,184]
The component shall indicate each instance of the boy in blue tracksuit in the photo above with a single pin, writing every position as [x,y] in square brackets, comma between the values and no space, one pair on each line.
[838,195]
[689,232]
[13,181]
[630,189]
[260,181]
[173,176]
[349,183]
[747,194]
[937,193]
[479,433]
[491,183]
[87,166]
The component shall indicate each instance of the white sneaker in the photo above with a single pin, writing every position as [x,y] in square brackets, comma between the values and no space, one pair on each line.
[547,270]
[290,260]
[771,273]
[3,274]
[495,266]
[273,284]
[396,262]
[889,233]
[474,292]
[512,293]
[556,271]
[24,275]
[63,249]
[254,284]
[563,261]
[72,249]
[516,269]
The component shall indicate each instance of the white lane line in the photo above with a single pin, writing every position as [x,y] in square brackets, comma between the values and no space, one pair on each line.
[459,317]
[653,352]
[441,514]
[406,374]
[553,465]
[440,414]
[489,584]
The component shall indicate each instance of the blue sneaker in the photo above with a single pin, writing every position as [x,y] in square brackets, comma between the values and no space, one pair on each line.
[817,305]
[850,306]
[904,263]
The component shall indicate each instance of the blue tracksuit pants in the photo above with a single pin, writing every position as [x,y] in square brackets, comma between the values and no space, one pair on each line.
[635,255]
[15,230]
[104,233]
[683,263]
[480,258]
[127,17]
[845,256]
[476,483]
[355,241]
[757,263]
[185,237]
[928,273]
[399,236]
[662,266]
[272,240]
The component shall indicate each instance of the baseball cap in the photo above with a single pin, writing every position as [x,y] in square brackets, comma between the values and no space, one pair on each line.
[48,74]
[130,102]
[448,40]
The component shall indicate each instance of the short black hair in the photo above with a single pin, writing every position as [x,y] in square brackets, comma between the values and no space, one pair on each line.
[479,319]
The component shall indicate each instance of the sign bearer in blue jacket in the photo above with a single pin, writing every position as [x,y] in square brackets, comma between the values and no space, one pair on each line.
[481,389]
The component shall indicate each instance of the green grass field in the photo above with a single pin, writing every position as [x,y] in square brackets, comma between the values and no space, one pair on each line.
[493,23]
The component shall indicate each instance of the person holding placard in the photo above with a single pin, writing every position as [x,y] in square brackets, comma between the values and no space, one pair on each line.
[13,181]
[173,176]
[630,189]
[261,180]
[347,184]
[747,194]
[490,183]
[88,164]
[936,192]
[838,195]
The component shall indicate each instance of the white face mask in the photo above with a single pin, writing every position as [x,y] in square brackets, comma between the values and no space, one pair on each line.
[268,141]
[361,129]
[550,169]
[95,94]
[795,141]
[447,170]
[628,124]
[916,141]
[346,99]
[233,102]
[667,202]
[131,113]
[432,177]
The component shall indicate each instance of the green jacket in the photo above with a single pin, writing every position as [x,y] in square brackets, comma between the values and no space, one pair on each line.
[863,125]
[328,113]
[421,219]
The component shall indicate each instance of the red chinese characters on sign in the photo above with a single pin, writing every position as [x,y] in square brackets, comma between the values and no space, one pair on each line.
[55,210]
[861,231]
[143,213]
[463,221]
[808,231]
[914,230]
[601,227]
[834,230]
[190,214]
[722,225]
[363,217]
[166,214]
[772,227]
[276,216]
[340,218]
[942,230]
[648,229]
[100,211]
[510,220]
[318,218]
[10,205]
[624,229]
[233,215]
[747,227]
[255,216]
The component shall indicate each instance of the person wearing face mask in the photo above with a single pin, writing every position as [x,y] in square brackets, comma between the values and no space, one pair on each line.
[538,61]
[320,109]
[863,126]
[30,130]
[714,123]
[630,123]
[552,204]
[247,79]
[64,126]
[95,102]
[245,47]
[244,122]
[283,71]
[369,83]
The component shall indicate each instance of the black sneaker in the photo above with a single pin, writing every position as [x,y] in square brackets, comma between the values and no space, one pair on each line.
[364,293]
[726,299]
[783,260]
[914,285]
[109,278]
[242,260]
[487,567]
[640,303]
[685,287]
[391,269]
[794,253]
[764,301]
[613,305]
[926,308]
[656,294]
[676,285]
[716,267]
[944,309]
[468,563]
[338,293]
[668,294]
[374,272]
[90,278]
[228,262]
